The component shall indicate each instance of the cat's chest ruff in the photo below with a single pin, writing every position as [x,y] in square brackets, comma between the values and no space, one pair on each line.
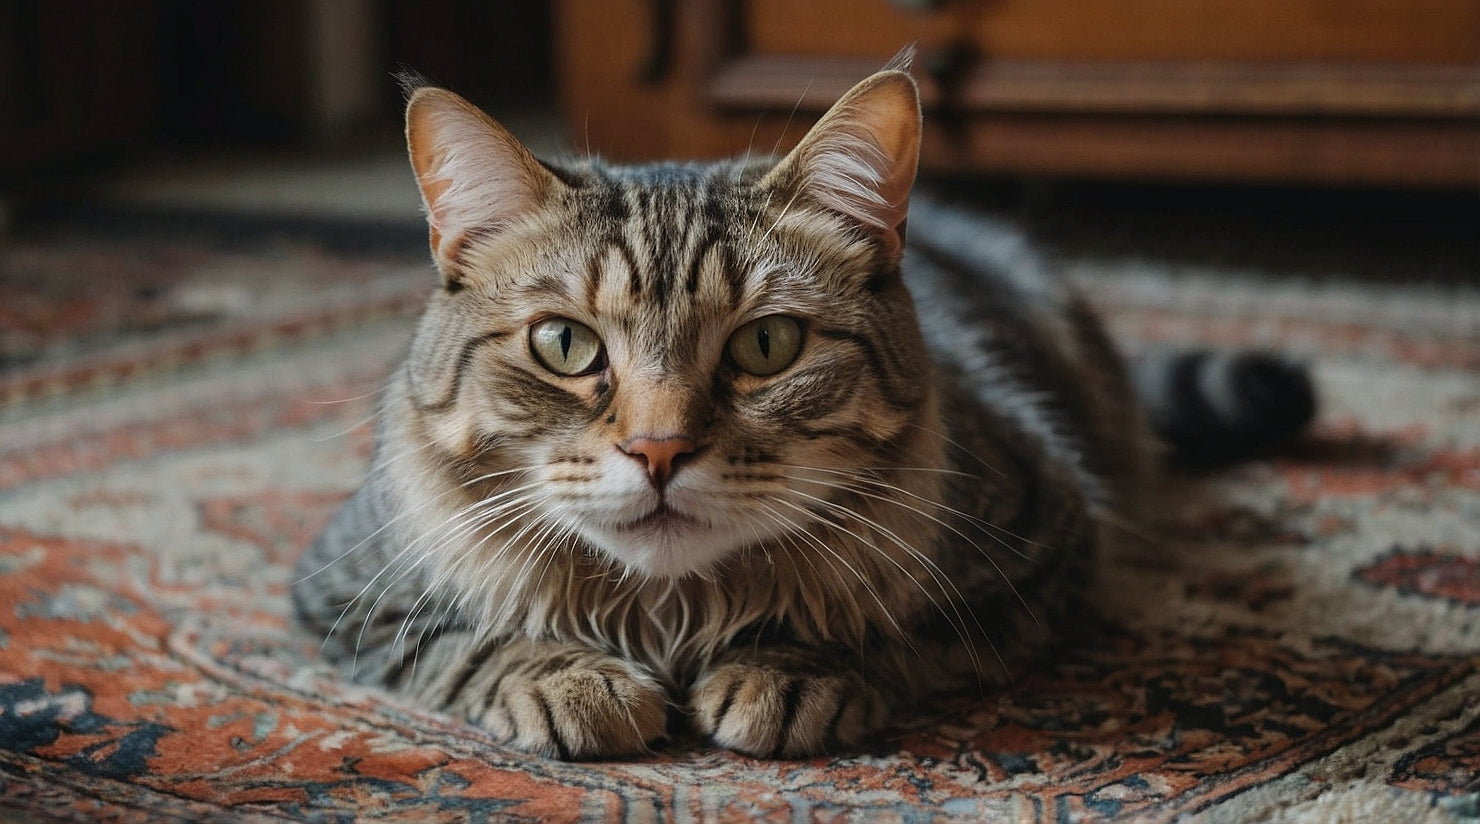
[670,625]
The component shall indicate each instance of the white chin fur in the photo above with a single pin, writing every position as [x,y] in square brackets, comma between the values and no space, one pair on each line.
[673,549]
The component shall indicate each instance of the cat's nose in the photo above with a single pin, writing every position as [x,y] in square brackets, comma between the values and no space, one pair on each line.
[660,456]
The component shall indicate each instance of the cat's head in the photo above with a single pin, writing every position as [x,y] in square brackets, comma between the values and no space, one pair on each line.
[672,362]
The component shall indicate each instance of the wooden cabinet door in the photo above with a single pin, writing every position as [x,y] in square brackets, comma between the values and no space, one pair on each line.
[1363,91]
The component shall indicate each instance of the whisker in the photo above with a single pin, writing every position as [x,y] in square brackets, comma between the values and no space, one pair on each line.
[348,429]
[372,393]
[789,115]
[437,583]
[397,559]
[933,569]
[506,513]
[399,567]
[868,587]
[980,523]
[784,211]
[967,452]
[922,513]
[865,542]
[406,514]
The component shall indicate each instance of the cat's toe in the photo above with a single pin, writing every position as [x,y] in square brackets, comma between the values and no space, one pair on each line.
[770,712]
[580,712]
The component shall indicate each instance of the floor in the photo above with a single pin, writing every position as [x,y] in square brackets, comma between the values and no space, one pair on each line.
[207,336]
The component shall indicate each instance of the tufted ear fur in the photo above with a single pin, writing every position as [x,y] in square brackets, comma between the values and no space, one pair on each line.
[474,176]
[861,157]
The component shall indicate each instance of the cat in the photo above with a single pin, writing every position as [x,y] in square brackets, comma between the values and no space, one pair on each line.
[723,447]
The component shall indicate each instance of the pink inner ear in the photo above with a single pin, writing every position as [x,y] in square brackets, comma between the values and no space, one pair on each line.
[473,174]
[860,160]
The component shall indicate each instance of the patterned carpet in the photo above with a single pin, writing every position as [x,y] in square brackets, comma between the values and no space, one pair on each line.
[178,418]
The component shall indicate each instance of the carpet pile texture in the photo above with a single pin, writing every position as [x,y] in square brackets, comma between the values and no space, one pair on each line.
[1304,645]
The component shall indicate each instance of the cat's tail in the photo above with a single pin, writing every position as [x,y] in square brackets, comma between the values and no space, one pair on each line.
[1213,406]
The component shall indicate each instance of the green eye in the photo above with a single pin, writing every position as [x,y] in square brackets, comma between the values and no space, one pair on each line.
[565,347]
[766,345]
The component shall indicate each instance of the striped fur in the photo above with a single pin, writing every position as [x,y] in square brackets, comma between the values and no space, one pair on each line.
[906,507]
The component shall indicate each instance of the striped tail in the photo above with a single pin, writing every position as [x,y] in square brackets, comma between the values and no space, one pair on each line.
[1211,406]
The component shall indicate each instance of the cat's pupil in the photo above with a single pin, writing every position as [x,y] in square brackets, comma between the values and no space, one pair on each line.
[764,339]
[565,336]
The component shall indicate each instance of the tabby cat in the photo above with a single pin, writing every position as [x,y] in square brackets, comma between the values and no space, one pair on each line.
[711,447]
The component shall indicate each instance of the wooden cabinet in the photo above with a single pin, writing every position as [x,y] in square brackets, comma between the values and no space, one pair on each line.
[76,80]
[1329,91]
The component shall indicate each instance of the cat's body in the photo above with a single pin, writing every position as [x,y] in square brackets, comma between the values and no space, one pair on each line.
[673,437]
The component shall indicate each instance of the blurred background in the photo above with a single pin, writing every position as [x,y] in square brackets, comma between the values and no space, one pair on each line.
[1299,138]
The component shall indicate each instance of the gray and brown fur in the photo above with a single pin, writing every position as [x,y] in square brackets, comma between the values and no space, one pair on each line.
[911,506]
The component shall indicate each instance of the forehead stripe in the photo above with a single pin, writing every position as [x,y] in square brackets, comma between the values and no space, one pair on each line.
[691,285]
[634,272]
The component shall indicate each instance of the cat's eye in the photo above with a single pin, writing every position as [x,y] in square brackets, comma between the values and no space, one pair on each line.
[565,347]
[766,345]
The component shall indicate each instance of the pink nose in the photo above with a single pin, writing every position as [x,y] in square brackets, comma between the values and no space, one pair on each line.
[660,456]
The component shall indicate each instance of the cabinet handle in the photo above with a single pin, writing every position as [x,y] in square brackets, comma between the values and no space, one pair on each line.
[917,6]
[659,60]
[949,67]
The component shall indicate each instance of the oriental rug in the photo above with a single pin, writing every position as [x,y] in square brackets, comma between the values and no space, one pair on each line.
[1303,645]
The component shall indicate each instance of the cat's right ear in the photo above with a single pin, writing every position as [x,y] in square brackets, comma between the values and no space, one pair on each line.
[475,177]
[859,161]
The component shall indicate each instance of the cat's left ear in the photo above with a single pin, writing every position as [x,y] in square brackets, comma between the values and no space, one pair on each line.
[475,177]
[861,157]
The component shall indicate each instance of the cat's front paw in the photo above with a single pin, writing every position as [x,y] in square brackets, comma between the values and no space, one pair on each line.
[777,704]
[589,705]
